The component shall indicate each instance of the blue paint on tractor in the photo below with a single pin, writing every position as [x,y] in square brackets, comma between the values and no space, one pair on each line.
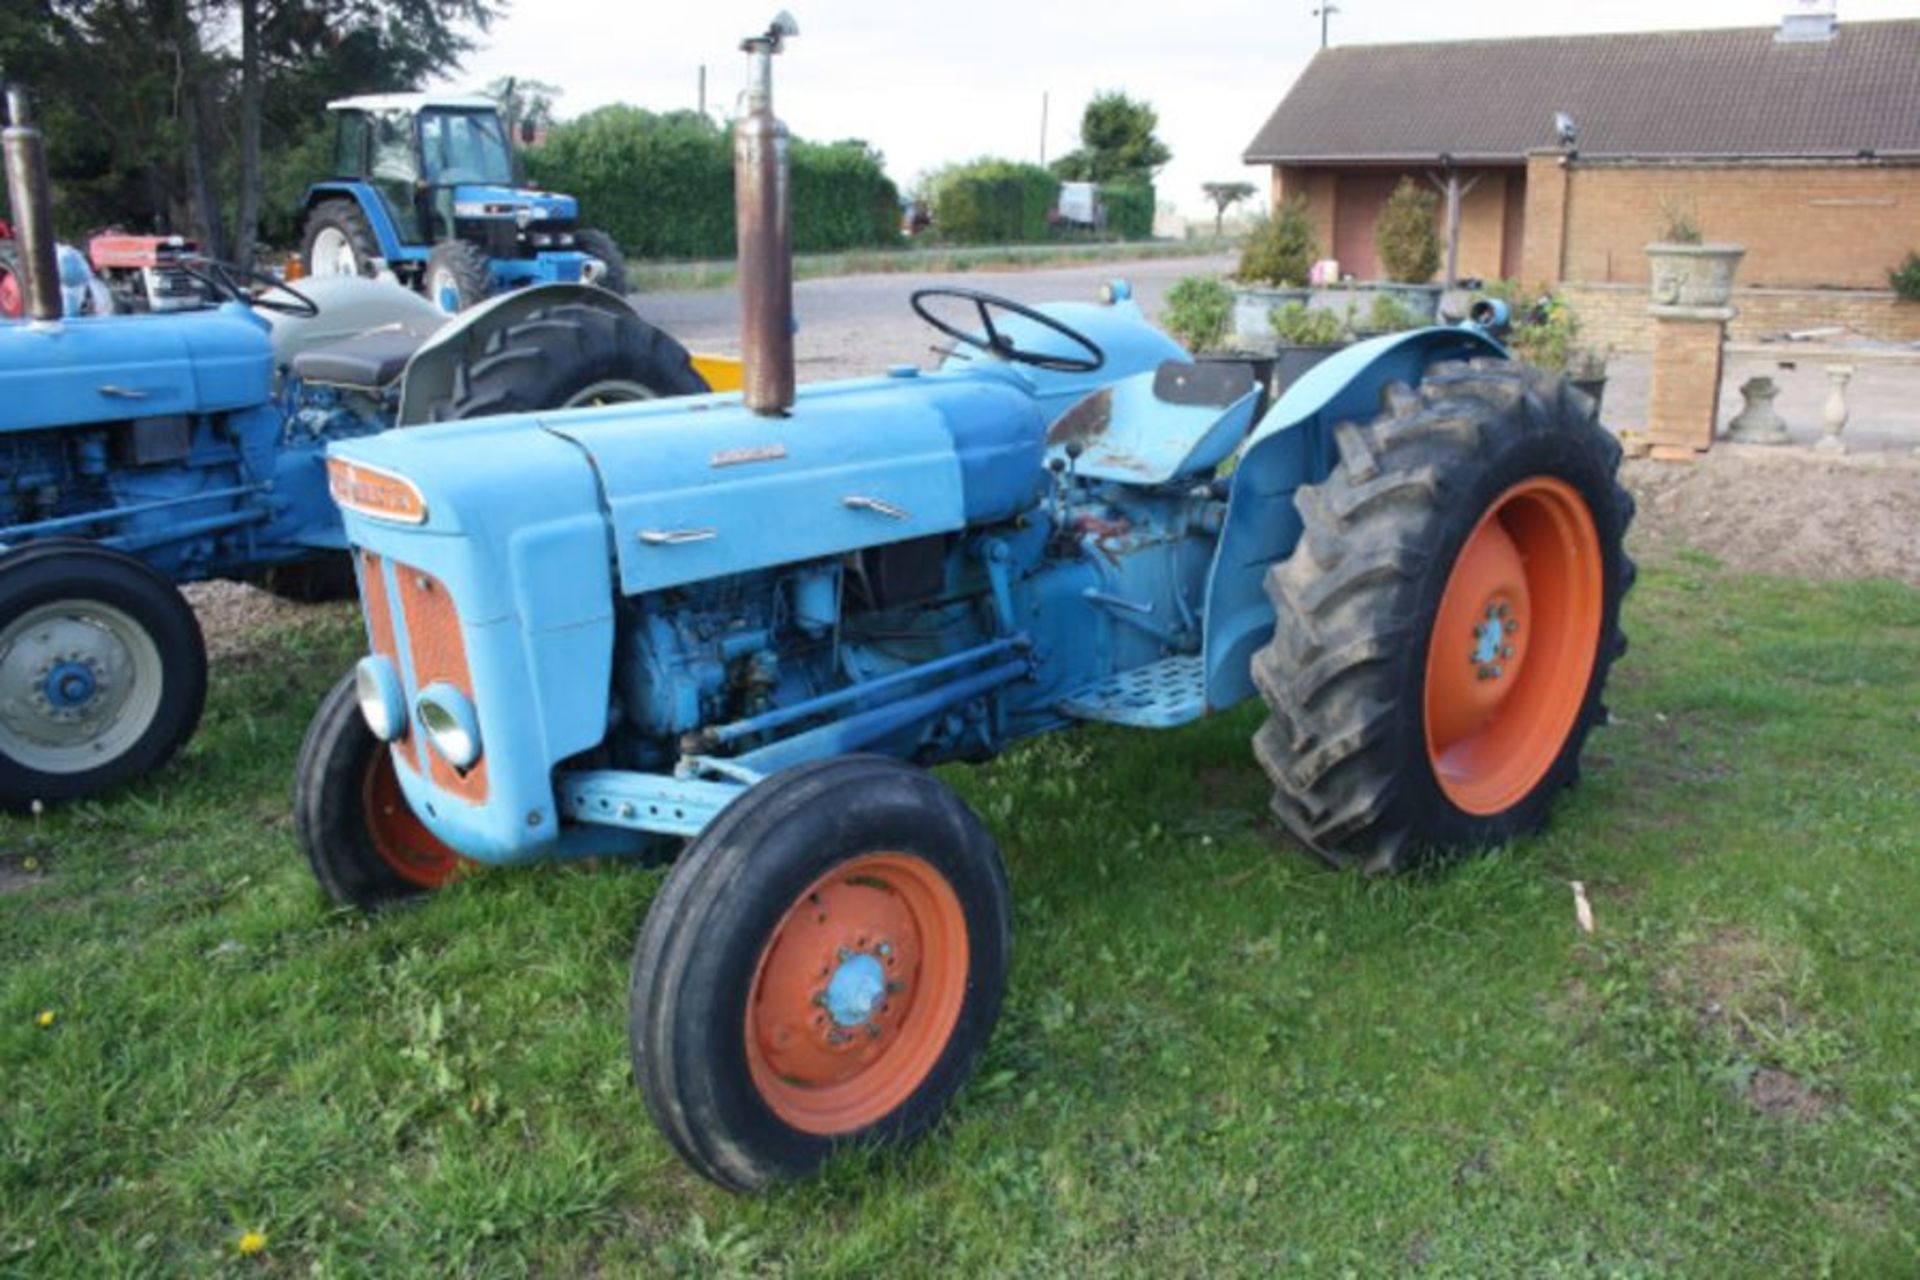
[69,685]
[854,992]
[687,596]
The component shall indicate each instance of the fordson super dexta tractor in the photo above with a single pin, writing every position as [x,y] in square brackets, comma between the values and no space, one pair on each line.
[139,451]
[750,622]
[424,185]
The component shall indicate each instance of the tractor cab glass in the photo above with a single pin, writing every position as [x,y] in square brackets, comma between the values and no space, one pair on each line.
[392,171]
[462,147]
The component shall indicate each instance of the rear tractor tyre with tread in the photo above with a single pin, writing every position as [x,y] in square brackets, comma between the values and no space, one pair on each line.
[103,672]
[339,241]
[1445,626]
[822,968]
[366,847]
[569,356]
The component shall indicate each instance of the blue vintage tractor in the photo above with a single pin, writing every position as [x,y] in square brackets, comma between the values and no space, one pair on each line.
[749,622]
[423,185]
[141,451]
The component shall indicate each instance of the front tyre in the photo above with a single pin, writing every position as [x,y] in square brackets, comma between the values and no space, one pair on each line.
[1445,626]
[823,967]
[599,244]
[366,847]
[457,276]
[103,672]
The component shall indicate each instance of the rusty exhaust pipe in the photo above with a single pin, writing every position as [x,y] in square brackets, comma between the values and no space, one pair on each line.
[32,200]
[764,220]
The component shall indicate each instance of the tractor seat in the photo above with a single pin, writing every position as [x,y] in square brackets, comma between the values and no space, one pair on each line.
[368,361]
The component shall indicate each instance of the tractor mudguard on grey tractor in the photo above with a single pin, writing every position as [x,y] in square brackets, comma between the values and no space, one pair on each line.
[750,623]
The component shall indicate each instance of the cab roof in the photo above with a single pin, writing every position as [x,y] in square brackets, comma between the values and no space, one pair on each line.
[414,102]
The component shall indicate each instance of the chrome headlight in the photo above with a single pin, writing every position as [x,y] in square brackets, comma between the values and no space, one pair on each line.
[376,686]
[452,725]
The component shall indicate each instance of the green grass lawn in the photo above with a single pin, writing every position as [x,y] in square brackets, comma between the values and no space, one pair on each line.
[1215,1057]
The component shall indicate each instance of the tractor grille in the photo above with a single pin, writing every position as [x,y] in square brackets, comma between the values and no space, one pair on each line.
[503,238]
[435,653]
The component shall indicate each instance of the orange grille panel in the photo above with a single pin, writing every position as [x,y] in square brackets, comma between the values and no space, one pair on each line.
[433,640]
[379,611]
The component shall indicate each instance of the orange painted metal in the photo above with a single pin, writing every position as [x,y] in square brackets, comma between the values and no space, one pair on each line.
[438,654]
[401,839]
[378,609]
[371,491]
[1513,645]
[823,1078]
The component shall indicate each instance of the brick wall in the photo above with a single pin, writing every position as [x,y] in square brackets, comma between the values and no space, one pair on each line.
[1616,315]
[1827,225]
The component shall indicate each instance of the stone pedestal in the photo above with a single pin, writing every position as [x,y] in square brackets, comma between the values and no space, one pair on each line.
[1833,415]
[1759,422]
[1684,398]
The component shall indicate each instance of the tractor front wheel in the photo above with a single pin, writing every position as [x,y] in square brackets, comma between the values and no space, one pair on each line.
[366,847]
[600,245]
[823,967]
[1445,626]
[103,672]
[457,276]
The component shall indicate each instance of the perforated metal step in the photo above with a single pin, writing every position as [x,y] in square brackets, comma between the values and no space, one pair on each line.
[1168,692]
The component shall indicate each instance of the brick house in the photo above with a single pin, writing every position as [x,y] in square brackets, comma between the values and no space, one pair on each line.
[1801,142]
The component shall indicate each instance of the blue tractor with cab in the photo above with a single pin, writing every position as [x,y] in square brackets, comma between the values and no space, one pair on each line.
[143,451]
[424,186]
[750,622]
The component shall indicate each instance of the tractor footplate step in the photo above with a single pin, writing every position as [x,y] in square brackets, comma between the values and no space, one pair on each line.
[1168,692]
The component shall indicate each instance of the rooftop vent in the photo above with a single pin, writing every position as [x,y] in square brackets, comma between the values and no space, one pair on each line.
[1809,22]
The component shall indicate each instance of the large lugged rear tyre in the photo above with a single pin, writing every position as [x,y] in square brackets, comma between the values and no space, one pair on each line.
[823,966]
[366,847]
[1445,627]
[339,241]
[103,672]
[567,357]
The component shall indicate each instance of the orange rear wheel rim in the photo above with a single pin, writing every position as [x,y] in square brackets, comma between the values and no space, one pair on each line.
[1513,645]
[403,842]
[857,993]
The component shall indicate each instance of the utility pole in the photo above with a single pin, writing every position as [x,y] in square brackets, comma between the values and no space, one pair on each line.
[703,91]
[1324,12]
[1043,128]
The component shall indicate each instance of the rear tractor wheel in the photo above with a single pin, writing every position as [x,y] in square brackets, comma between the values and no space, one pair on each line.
[569,357]
[823,967]
[1445,626]
[365,845]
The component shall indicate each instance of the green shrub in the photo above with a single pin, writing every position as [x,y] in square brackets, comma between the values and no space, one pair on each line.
[1905,278]
[1129,209]
[1404,237]
[1299,325]
[662,185]
[1390,315]
[1281,250]
[993,202]
[1546,329]
[1199,312]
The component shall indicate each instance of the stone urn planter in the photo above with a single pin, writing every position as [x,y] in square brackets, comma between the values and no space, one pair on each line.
[1251,305]
[1693,275]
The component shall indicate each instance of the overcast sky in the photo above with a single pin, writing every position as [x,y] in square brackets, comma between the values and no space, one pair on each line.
[933,83]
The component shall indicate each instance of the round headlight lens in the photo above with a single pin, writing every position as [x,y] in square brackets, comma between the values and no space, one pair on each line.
[451,725]
[376,686]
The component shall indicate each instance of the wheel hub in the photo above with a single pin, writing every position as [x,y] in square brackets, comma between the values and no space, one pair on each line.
[856,990]
[1493,650]
[67,677]
[69,685]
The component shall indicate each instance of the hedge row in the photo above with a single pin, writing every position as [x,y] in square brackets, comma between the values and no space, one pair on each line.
[662,185]
[993,202]
[1129,209]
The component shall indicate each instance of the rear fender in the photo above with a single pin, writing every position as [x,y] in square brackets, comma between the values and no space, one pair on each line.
[430,374]
[1294,446]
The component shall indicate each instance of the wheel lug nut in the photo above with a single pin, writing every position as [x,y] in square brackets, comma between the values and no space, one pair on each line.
[886,949]
[896,987]
[845,954]
[1506,651]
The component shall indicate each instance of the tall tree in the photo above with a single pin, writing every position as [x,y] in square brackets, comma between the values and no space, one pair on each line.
[1224,196]
[1117,143]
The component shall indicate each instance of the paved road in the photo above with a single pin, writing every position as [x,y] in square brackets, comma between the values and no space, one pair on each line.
[860,324]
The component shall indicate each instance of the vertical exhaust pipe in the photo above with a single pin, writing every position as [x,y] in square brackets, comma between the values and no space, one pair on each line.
[32,200]
[764,218]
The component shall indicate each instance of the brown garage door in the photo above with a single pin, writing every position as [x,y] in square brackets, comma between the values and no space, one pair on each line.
[1358,200]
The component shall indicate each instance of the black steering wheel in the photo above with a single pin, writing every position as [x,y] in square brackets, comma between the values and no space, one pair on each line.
[228,283]
[1000,344]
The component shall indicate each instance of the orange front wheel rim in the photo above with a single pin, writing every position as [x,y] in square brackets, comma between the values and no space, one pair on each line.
[403,842]
[1513,645]
[857,993]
